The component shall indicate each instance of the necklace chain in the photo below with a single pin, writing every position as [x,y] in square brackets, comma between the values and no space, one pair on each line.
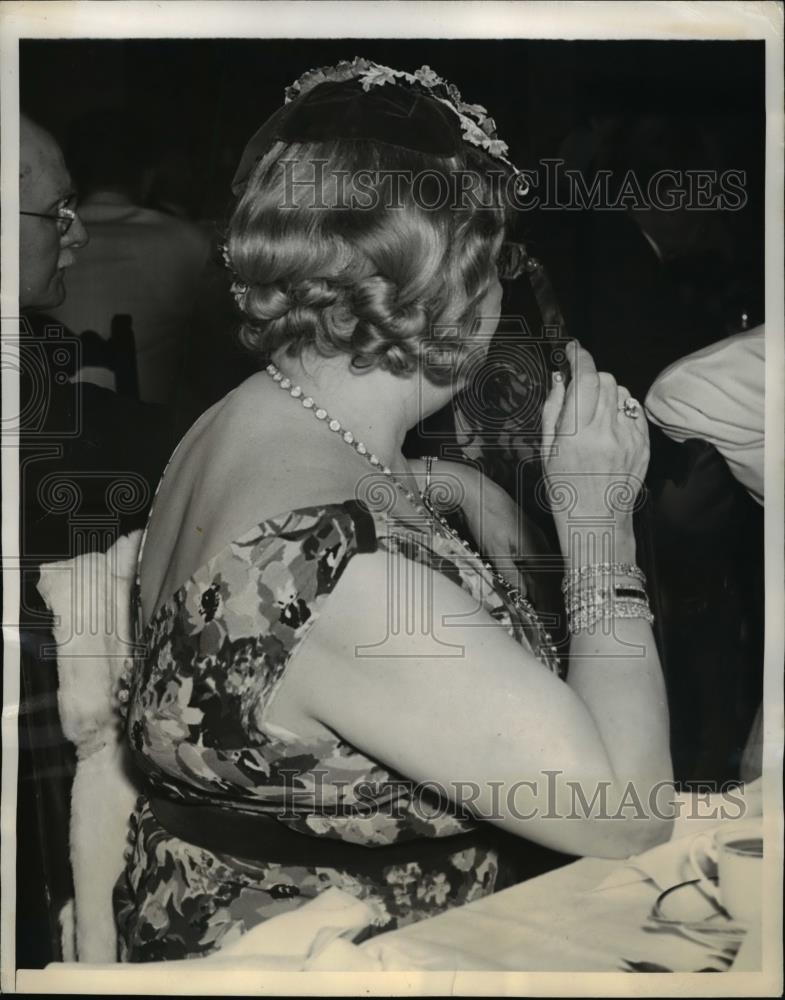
[420,502]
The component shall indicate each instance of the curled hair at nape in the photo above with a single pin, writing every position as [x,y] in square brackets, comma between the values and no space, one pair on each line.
[374,279]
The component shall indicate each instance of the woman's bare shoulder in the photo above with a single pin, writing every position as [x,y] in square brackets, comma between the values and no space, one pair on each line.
[266,456]
[241,463]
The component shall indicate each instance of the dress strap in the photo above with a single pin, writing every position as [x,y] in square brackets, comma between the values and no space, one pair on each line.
[136,590]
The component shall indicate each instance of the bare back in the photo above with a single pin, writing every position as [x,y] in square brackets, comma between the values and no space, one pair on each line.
[250,456]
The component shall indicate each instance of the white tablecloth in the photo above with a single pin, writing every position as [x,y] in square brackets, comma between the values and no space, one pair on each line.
[559,922]
[590,916]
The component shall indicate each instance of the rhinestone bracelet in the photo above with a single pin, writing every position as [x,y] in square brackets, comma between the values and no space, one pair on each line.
[595,606]
[573,577]
[586,620]
[601,595]
[593,592]
[586,615]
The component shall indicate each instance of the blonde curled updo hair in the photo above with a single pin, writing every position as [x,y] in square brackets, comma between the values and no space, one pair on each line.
[366,249]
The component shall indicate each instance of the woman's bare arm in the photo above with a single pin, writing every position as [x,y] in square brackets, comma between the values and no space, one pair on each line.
[452,699]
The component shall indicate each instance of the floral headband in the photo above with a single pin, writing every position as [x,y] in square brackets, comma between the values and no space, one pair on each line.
[419,111]
[477,126]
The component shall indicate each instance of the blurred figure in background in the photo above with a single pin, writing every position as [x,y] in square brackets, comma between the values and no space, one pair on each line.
[141,263]
[718,395]
[50,231]
[215,361]
[172,185]
[89,445]
[642,287]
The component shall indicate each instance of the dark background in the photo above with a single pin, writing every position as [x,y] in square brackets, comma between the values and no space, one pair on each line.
[207,97]
[201,100]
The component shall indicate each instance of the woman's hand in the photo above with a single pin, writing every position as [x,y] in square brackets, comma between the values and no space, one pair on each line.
[594,456]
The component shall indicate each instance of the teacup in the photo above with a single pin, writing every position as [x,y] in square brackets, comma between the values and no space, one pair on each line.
[729,863]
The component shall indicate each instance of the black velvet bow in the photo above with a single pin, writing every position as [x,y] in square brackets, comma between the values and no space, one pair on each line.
[343,110]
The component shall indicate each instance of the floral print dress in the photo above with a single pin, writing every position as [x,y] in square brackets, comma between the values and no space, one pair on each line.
[211,661]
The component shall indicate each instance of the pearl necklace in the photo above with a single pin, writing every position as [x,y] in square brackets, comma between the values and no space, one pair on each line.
[422,505]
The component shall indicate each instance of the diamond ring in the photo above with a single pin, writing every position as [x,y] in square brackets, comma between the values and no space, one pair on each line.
[631,408]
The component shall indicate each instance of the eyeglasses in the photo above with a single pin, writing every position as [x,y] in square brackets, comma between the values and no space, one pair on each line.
[64,218]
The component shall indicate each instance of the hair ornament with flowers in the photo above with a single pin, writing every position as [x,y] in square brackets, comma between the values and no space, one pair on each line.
[477,126]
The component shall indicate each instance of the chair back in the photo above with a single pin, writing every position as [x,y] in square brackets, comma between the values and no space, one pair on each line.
[90,599]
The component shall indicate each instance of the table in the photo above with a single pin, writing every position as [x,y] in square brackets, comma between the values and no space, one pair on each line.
[560,922]
[590,916]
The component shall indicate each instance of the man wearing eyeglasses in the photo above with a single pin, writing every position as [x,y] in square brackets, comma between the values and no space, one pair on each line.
[49,226]
[70,432]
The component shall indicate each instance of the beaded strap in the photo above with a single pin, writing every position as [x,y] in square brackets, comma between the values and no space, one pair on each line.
[429,460]
[422,503]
